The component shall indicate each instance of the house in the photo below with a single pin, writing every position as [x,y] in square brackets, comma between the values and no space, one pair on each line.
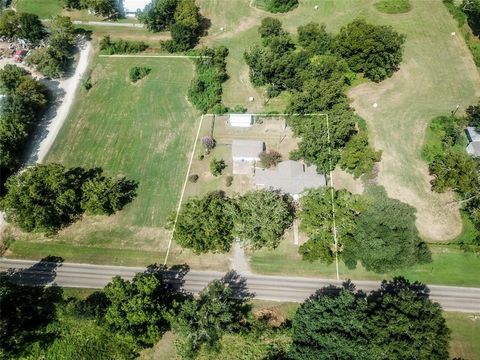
[240,120]
[130,7]
[244,155]
[473,148]
[291,177]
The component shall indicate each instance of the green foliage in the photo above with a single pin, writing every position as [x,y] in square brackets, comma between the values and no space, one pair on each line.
[473,115]
[315,147]
[23,105]
[397,321]
[269,29]
[262,217]
[456,12]
[106,8]
[158,15]
[374,50]
[317,222]
[205,90]
[228,181]
[140,308]
[393,6]
[202,322]
[30,28]
[314,38]
[54,59]
[443,133]
[8,23]
[280,6]
[137,72]
[358,157]
[270,158]
[385,237]
[206,224]
[454,170]
[217,166]
[121,46]
[193,178]
[45,198]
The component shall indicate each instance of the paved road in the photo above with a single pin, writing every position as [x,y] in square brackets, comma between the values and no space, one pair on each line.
[274,288]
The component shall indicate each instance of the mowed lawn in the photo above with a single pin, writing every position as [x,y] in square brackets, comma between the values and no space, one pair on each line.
[437,73]
[43,8]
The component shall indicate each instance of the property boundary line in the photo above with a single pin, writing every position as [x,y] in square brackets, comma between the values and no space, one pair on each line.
[183,190]
[334,230]
[154,56]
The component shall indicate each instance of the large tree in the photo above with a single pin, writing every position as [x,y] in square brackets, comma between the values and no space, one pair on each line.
[30,28]
[314,38]
[374,50]
[159,15]
[358,157]
[386,237]
[397,321]
[202,322]
[316,215]
[262,217]
[140,308]
[206,224]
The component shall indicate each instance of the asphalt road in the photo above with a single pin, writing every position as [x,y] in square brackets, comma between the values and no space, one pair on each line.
[276,288]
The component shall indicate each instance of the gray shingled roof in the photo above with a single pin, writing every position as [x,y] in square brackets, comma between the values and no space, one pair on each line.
[474,148]
[291,177]
[246,149]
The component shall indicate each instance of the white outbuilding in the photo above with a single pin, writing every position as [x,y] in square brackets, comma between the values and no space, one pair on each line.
[130,7]
[241,120]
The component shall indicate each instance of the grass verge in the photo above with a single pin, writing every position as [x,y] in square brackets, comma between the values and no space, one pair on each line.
[393,6]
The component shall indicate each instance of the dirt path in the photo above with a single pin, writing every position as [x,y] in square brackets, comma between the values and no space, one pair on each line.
[49,130]
[239,261]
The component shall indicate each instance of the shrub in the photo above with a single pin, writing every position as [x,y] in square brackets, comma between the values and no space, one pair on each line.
[270,158]
[137,73]
[201,157]
[110,47]
[217,166]
[193,178]
[87,83]
[229,181]
[280,6]
[209,143]
[393,6]
[239,109]
[220,109]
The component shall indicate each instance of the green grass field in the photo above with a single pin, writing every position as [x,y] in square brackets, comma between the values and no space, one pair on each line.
[43,8]
[465,334]
[450,266]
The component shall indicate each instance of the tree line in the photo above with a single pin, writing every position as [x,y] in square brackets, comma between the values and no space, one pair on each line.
[452,168]
[395,321]
[25,26]
[315,69]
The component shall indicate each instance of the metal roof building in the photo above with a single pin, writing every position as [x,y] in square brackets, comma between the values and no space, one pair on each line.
[241,120]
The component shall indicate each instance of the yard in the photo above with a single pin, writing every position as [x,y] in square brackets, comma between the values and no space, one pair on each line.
[426,85]
[144,131]
[43,8]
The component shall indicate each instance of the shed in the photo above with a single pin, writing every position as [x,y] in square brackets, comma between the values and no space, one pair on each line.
[473,148]
[292,177]
[130,7]
[241,120]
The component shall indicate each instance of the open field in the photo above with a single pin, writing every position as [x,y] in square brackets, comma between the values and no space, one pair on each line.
[465,334]
[450,266]
[43,8]
[425,86]
[143,131]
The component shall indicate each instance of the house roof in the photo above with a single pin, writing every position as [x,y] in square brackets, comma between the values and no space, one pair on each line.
[247,149]
[131,6]
[473,134]
[291,177]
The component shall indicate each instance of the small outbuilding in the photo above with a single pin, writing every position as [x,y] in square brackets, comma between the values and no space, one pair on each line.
[130,7]
[244,155]
[291,177]
[240,120]
[473,148]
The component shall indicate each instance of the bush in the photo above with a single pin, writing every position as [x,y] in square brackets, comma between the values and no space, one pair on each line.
[137,73]
[209,143]
[270,158]
[393,6]
[239,109]
[193,178]
[205,90]
[217,166]
[229,181]
[110,47]
[456,12]
[280,6]
[87,82]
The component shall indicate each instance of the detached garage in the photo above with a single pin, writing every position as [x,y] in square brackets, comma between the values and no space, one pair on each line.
[241,120]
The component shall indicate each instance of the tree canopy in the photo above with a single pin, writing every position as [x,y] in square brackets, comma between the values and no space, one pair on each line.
[262,217]
[397,321]
[45,198]
[358,157]
[386,237]
[374,50]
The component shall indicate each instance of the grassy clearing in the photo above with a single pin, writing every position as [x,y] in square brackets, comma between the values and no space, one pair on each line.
[393,6]
[450,266]
[43,8]
[465,334]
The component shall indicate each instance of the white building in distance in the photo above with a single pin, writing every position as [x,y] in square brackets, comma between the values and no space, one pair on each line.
[131,7]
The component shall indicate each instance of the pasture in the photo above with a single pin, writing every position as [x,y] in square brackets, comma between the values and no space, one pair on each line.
[437,73]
